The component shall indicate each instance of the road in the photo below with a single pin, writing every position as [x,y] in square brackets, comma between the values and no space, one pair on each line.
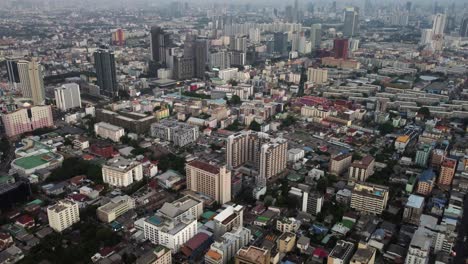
[462,247]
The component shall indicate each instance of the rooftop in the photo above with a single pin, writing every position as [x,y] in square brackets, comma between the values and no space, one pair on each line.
[253,254]
[363,255]
[204,166]
[415,201]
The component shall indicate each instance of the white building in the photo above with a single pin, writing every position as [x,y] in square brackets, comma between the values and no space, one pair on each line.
[106,130]
[295,154]
[31,81]
[420,248]
[318,76]
[186,206]
[120,172]
[63,215]
[68,96]
[228,74]
[223,250]
[116,207]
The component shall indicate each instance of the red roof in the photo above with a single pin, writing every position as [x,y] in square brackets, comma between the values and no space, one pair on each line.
[106,252]
[320,252]
[204,166]
[78,197]
[194,243]
[25,220]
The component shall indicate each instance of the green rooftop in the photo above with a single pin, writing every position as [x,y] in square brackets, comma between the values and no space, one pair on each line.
[208,215]
[34,160]
[37,201]
[348,223]
[263,219]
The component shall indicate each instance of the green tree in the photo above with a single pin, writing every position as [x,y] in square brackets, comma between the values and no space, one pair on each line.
[255,126]
[386,128]
[425,112]
[235,100]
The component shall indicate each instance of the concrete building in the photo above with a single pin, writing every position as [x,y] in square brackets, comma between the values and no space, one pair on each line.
[369,198]
[116,207]
[288,224]
[181,134]
[426,182]
[120,172]
[210,180]
[340,163]
[351,22]
[252,255]
[134,122]
[228,74]
[447,171]
[341,253]
[63,215]
[68,96]
[27,119]
[108,131]
[230,218]
[160,255]
[413,209]
[420,248]
[362,169]
[32,81]
[317,76]
[286,242]
[104,63]
[186,206]
[423,153]
[364,255]
[224,249]
[295,155]
[312,202]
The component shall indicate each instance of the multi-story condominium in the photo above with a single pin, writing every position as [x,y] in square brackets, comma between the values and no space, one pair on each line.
[369,198]
[340,163]
[31,81]
[438,155]
[68,96]
[116,207]
[108,131]
[63,215]
[120,172]
[318,76]
[426,182]
[230,218]
[317,112]
[224,249]
[160,255]
[183,207]
[364,255]
[181,134]
[27,119]
[286,242]
[423,154]
[288,224]
[267,155]
[447,171]
[413,209]
[252,255]
[131,121]
[341,253]
[361,170]
[312,202]
[169,232]
[420,248]
[213,181]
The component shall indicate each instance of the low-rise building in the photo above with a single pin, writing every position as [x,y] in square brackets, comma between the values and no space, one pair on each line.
[364,255]
[122,172]
[108,131]
[252,255]
[160,255]
[116,207]
[288,224]
[341,253]
[286,242]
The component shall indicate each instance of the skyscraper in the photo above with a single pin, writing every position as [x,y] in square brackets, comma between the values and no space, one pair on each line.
[160,41]
[464,27]
[13,74]
[68,96]
[104,63]
[340,48]
[201,57]
[351,21]
[280,42]
[31,81]
[316,35]
[438,25]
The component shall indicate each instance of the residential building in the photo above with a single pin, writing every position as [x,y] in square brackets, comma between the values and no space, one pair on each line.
[426,182]
[447,171]
[31,78]
[286,242]
[108,131]
[340,163]
[252,255]
[316,35]
[369,198]
[134,122]
[120,172]
[213,181]
[364,255]
[420,248]
[423,153]
[362,169]
[160,255]
[340,49]
[312,202]
[183,68]
[104,63]
[201,57]
[341,253]
[186,206]
[27,119]
[116,207]
[280,42]
[464,27]
[317,76]
[285,224]
[68,96]
[12,73]
[230,218]
[296,154]
[63,215]
[181,134]
[224,249]
[413,209]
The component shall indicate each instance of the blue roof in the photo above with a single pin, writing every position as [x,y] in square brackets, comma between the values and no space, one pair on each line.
[155,220]
[427,175]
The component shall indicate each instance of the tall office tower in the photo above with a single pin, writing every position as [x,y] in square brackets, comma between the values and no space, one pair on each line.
[13,74]
[183,68]
[27,119]
[280,42]
[160,41]
[438,25]
[220,60]
[295,39]
[340,48]
[367,7]
[68,96]
[409,6]
[63,215]
[316,35]
[201,57]
[464,27]
[210,180]
[426,36]
[104,63]
[296,11]
[31,81]
[289,13]
[351,22]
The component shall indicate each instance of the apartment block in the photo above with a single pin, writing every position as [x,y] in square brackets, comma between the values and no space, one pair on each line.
[108,131]
[286,242]
[252,255]
[182,208]
[362,169]
[211,180]
[68,96]
[413,209]
[318,76]
[116,207]
[364,255]
[160,255]
[27,119]
[120,172]
[224,248]
[312,202]
[447,171]
[63,215]
[230,218]
[426,182]
[181,134]
[340,163]
[369,198]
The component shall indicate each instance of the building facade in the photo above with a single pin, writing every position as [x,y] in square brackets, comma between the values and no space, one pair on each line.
[116,207]
[27,119]
[68,96]
[213,181]
[63,215]
[108,131]
[120,172]
[369,198]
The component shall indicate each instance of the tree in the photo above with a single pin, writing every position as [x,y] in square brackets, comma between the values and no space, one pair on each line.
[255,126]
[386,128]
[235,100]
[233,82]
[425,112]
[288,121]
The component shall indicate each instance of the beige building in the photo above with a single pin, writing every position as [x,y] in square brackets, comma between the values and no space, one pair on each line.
[27,119]
[369,198]
[252,255]
[315,112]
[340,163]
[213,181]
[341,253]
[230,218]
[288,224]
[318,76]
[362,169]
[120,172]
[108,131]
[63,215]
[32,81]
[273,160]
[364,255]
[160,255]
[115,208]
[286,242]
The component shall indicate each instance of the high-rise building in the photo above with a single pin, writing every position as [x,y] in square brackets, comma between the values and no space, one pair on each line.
[280,42]
[183,68]
[447,171]
[464,27]
[68,96]
[31,81]
[340,163]
[27,119]
[118,37]
[369,198]
[426,36]
[316,35]
[423,153]
[210,180]
[312,202]
[254,35]
[341,253]
[160,42]
[63,215]
[230,218]
[351,22]
[362,169]
[340,48]
[201,57]
[220,60]
[438,25]
[13,74]
[120,172]
[224,249]
[179,133]
[317,76]
[109,131]
[420,247]
[414,208]
[104,63]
